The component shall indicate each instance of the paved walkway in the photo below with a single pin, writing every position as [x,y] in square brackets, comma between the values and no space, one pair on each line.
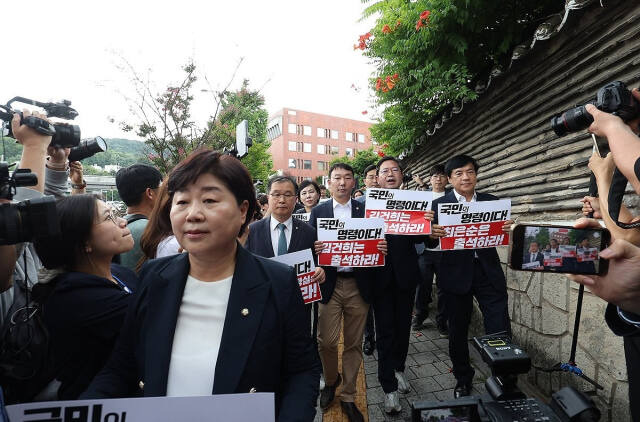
[427,370]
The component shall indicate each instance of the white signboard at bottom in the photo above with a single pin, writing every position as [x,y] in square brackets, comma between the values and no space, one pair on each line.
[222,407]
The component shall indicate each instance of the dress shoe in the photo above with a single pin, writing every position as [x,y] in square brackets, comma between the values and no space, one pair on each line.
[352,412]
[403,385]
[392,402]
[322,384]
[328,393]
[443,330]
[461,390]
[369,347]
[418,321]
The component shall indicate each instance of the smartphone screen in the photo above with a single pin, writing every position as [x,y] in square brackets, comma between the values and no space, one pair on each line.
[561,249]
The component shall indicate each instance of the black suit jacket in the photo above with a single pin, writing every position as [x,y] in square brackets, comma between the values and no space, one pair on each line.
[456,267]
[268,350]
[527,258]
[325,210]
[259,240]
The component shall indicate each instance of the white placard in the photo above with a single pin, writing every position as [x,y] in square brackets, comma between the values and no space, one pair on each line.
[402,210]
[302,262]
[474,225]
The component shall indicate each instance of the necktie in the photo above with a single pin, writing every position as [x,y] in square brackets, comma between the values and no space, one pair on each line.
[533,257]
[282,241]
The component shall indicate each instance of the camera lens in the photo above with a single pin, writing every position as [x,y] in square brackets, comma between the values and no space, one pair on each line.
[87,148]
[572,120]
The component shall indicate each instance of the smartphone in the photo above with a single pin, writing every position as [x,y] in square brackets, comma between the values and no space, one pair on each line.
[558,249]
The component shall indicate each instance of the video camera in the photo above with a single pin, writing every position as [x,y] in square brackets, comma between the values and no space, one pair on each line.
[63,135]
[614,98]
[25,220]
[504,401]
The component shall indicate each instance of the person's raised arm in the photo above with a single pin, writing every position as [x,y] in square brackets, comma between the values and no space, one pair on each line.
[34,147]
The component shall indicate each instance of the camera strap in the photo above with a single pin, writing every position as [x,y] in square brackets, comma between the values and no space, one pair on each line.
[616,193]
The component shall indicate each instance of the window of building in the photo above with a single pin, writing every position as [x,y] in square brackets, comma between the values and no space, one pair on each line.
[307,147]
[348,152]
[292,146]
[361,138]
[320,132]
[321,149]
[335,150]
[307,130]
[348,136]
[292,128]
[334,134]
[322,166]
[292,163]
[291,112]
[306,164]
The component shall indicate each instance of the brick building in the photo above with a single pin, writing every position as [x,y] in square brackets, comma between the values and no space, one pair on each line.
[303,143]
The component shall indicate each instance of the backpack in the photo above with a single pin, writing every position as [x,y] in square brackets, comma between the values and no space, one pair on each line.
[130,219]
[26,362]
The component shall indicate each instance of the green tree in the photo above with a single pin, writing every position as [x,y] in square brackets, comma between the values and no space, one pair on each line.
[430,55]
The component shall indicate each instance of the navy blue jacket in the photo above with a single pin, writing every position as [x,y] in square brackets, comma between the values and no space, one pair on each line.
[84,314]
[456,267]
[268,350]
[325,210]
[259,240]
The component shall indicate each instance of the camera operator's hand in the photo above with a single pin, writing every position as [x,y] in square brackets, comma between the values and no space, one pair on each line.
[58,157]
[78,185]
[34,147]
[591,204]
[621,284]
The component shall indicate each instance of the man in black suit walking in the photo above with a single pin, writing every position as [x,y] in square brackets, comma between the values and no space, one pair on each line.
[468,273]
[279,233]
[345,295]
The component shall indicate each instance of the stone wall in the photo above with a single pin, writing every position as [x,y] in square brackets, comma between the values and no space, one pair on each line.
[507,130]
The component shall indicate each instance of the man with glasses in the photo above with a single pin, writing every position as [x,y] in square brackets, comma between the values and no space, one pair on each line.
[279,233]
[468,273]
[345,296]
[137,186]
[393,293]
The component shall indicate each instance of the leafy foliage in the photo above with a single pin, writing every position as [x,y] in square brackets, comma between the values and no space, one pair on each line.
[429,54]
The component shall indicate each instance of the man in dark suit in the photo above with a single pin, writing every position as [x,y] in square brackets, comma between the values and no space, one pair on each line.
[345,294]
[534,255]
[279,233]
[468,273]
[393,293]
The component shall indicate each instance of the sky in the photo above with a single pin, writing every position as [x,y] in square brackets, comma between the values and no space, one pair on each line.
[297,52]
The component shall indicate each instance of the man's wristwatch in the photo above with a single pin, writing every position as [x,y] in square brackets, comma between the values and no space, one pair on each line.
[81,186]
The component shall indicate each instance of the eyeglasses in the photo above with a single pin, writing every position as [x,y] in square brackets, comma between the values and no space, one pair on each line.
[112,216]
[388,170]
[282,195]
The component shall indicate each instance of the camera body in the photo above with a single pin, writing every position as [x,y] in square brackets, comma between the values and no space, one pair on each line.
[63,135]
[613,98]
[26,220]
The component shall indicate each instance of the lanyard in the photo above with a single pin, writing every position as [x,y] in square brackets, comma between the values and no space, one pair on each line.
[121,284]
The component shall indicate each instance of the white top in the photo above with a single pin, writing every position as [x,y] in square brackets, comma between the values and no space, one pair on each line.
[437,195]
[275,233]
[196,341]
[342,211]
[461,198]
[167,247]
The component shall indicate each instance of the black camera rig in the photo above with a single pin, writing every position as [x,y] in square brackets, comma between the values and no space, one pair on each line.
[504,401]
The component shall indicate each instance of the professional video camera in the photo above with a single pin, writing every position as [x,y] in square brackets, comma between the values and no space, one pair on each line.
[23,221]
[612,98]
[504,401]
[63,135]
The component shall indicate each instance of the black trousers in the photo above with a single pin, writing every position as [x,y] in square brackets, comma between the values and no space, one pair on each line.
[632,356]
[370,328]
[493,304]
[429,265]
[392,312]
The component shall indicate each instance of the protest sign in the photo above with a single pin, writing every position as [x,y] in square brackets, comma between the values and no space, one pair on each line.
[402,210]
[474,225]
[552,259]
[302,217]
[531,265]
[567,251]
[350,242]
[587,254]
[302,262]
[225,407]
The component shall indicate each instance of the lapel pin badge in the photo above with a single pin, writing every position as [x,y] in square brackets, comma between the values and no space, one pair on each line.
[244,312]
[141,385]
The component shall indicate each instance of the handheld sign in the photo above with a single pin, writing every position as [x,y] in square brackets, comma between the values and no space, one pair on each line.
[531,265]
[474,225]
[587,254]
[302,217]
[351,242]
[402,210]
[302,262]
[552,259]
[225,407]
[567,251]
